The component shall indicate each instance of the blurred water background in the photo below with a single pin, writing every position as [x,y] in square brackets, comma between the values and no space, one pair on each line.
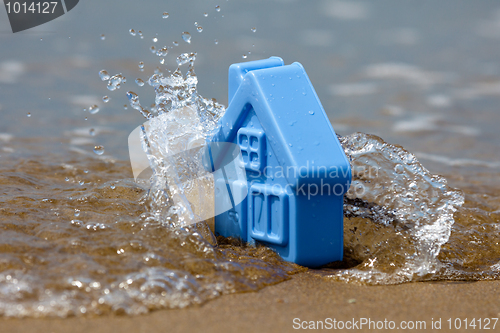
[421,74]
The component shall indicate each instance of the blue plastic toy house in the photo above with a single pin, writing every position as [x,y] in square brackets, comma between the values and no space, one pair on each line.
[296,170]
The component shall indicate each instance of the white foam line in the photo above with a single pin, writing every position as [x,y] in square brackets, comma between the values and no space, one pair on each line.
[403,71]
[6,137]
[457,162]
[345,10]
[353,89]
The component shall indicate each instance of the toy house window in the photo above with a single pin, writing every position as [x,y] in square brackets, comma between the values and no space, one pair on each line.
[252,144]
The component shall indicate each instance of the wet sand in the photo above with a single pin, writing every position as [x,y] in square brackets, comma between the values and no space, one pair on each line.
[305,296]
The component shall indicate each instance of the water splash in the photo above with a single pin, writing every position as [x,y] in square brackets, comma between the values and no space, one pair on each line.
[180,121]
[399,215]
[162,52]
[115,82]
[136,104]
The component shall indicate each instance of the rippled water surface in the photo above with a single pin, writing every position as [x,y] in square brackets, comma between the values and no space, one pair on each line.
[75,238]
[78,235]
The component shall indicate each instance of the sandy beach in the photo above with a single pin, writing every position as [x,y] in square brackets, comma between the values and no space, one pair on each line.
[307,297]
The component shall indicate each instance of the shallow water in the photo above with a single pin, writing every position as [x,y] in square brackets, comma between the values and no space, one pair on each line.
[404,224]
[79,236]
[76,242]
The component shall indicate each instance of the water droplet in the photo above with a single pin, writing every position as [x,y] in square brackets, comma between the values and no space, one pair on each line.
[165,15]
[92,132]
[205,14]
[135,103]
[162,61]
[81,182]
[244,56]
[311,112]
[175,43]
[104,75]
[99,150]
[115,82]
[28,115]
[139,82]
[399,168]
[86,118]
[162,52]
[254,29]
[199,28]
[141,64]
[105,99]
[93,109]
[125,107]
[41,39]
[77,212]
[186,36]
[290,145]
[155,40]
[85,171]
[185,58]
[216,42]
[234,216]
[66,179]
[132,32]
[140,34]
[103,37]
[195,24]
[152,49]
[217,8]
[112,186]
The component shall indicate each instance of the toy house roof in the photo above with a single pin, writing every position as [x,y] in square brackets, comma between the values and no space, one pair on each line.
[296,125]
